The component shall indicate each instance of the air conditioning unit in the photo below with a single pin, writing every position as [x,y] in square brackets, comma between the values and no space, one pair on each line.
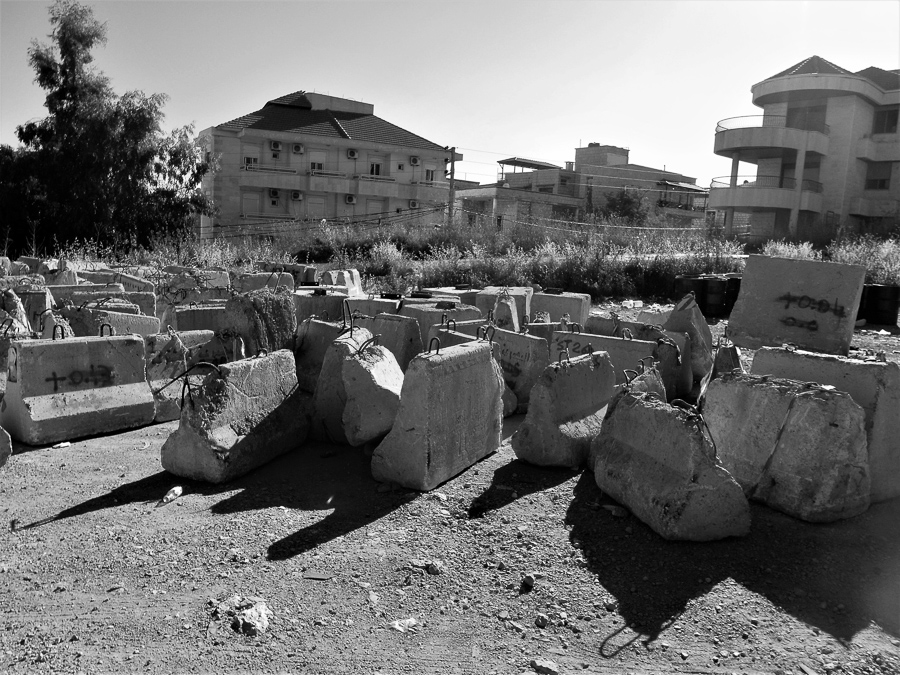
[352,154]
[414,161]
[413,203]
[275,145]
[350,199]
[298,149]
[296,196]
[273,193]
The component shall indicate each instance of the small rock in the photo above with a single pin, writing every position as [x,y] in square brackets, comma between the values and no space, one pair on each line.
[684,656]
[616,510]
[503,616]
[544,666]
[435,567]
[528,581]
[541,620]
[611,605]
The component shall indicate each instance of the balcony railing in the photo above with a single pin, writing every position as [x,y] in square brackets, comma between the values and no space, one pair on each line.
[432,183]
[326,173]
[767,182]
[368,176]
[265,168]
[776,121]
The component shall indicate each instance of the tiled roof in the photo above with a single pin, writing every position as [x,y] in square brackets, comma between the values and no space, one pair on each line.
[889,80]
[814,65]
[292,113]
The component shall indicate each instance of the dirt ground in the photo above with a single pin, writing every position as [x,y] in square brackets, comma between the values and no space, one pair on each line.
[96,578]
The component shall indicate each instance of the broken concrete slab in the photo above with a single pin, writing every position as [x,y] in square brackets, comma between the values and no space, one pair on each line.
[808,303]
[487,298]
[795,446]
[451,416]
[244,415]
[686,317]
[874,385]
[5,447]
[311,343]
[169,356]
[657,460]
[63,389]
[265,319]
[331,395]
[246,283]
[575,307]
[399,334]
[566,411]
[88,322]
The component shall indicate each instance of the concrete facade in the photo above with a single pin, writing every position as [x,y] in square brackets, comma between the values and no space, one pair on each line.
[307,156]
[826,153]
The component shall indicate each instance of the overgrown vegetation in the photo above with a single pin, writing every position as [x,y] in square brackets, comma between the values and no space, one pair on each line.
[880,257]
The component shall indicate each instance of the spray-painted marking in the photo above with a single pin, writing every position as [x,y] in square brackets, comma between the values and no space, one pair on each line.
[800,323]
[807,302]
[97,376]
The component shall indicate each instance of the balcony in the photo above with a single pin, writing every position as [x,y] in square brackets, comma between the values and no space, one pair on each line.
[755,137]
[433,183]
[266,168]
[764,193]
[873,208]
[879,148]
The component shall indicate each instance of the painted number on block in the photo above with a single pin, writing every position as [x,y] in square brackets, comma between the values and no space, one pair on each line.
[820,306]
[97,376]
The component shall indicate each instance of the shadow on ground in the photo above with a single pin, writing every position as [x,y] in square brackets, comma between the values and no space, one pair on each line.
[796,566]
[527,480]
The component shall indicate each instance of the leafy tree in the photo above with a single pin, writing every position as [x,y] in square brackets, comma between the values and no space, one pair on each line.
[625,206]
[98,166]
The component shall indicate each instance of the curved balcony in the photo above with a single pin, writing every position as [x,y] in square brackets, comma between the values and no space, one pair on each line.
[756,137]
[764,193]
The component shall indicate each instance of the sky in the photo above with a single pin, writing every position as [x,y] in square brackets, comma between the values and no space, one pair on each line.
[494,78]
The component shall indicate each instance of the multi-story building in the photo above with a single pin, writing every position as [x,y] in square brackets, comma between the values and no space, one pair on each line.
[826,153]
[308,156]
[528,188]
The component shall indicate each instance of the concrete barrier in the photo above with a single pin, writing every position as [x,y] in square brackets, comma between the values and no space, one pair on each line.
[686,317]
[576,306]
[522,359]
[487,298]
[145,300]
[311,343]
[330,396]
[226,346]
[319,303]
[22,282]
[808,303]
[448,337]
[264,319]
[797,447]
[87,322]
[168,356]
[451,416]
[5,446]
[656,460]
[465,294]
[202,317]
[624,354]
[78,294]
[371,305]
[399,335]
[434,312]
[566,411]
[131,283]
[243,416]
[64,389]
[348,280]
[874,385]
[36,303]
[246,283]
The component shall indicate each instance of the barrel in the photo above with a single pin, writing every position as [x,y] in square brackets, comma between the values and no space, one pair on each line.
[714,305]
[732,290]
[882,304]
[861,312]
[690,283]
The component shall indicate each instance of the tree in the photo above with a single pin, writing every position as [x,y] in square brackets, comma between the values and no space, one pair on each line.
[99,165]
[626,206]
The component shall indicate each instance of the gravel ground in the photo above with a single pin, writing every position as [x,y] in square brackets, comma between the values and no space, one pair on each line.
[97,578]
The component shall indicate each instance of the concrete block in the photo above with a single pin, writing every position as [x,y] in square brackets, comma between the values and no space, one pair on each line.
[36,303]
[808,303]
[5,265]
[59,277]
[168,356]
[246,283]
[874,385]
[145,300]
[431,313]
[331,396]
[372,381]
[192,277]
[451,416]
[226,346]
[55,326]
[264,319]
[398,334]
[59,390]
[202,317]
[797,447]
[655,317]
[487,298]
[448,337]
[656,460]
[22,282]
[566,411]
[465,294]
[130,282]
[326,306]
[473,327]
[686,317]
[13,308]
[31,262]
[78,265]
[522,359]
[87,322]
[311,342]
[16,268]
[5,446]
[625,354]
[243,416]
[346,279]
[576,305]
[78,294]
[370,305]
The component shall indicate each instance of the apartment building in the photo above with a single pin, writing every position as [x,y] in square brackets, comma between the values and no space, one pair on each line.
[825,151]
[527,188]
[308,156]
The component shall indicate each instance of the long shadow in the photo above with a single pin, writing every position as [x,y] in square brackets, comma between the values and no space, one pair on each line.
[513,481]
[316,477]
[852,566]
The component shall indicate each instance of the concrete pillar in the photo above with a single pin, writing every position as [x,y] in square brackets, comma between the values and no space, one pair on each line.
[735,161]
[798,193]
[729,222]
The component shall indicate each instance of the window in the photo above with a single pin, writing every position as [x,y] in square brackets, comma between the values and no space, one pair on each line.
[273,202]
[375,168]
[317,166]
[251,163]
[885,121]
[878,175]
[276,155]
[316,160]
[429,175]
[399,167]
